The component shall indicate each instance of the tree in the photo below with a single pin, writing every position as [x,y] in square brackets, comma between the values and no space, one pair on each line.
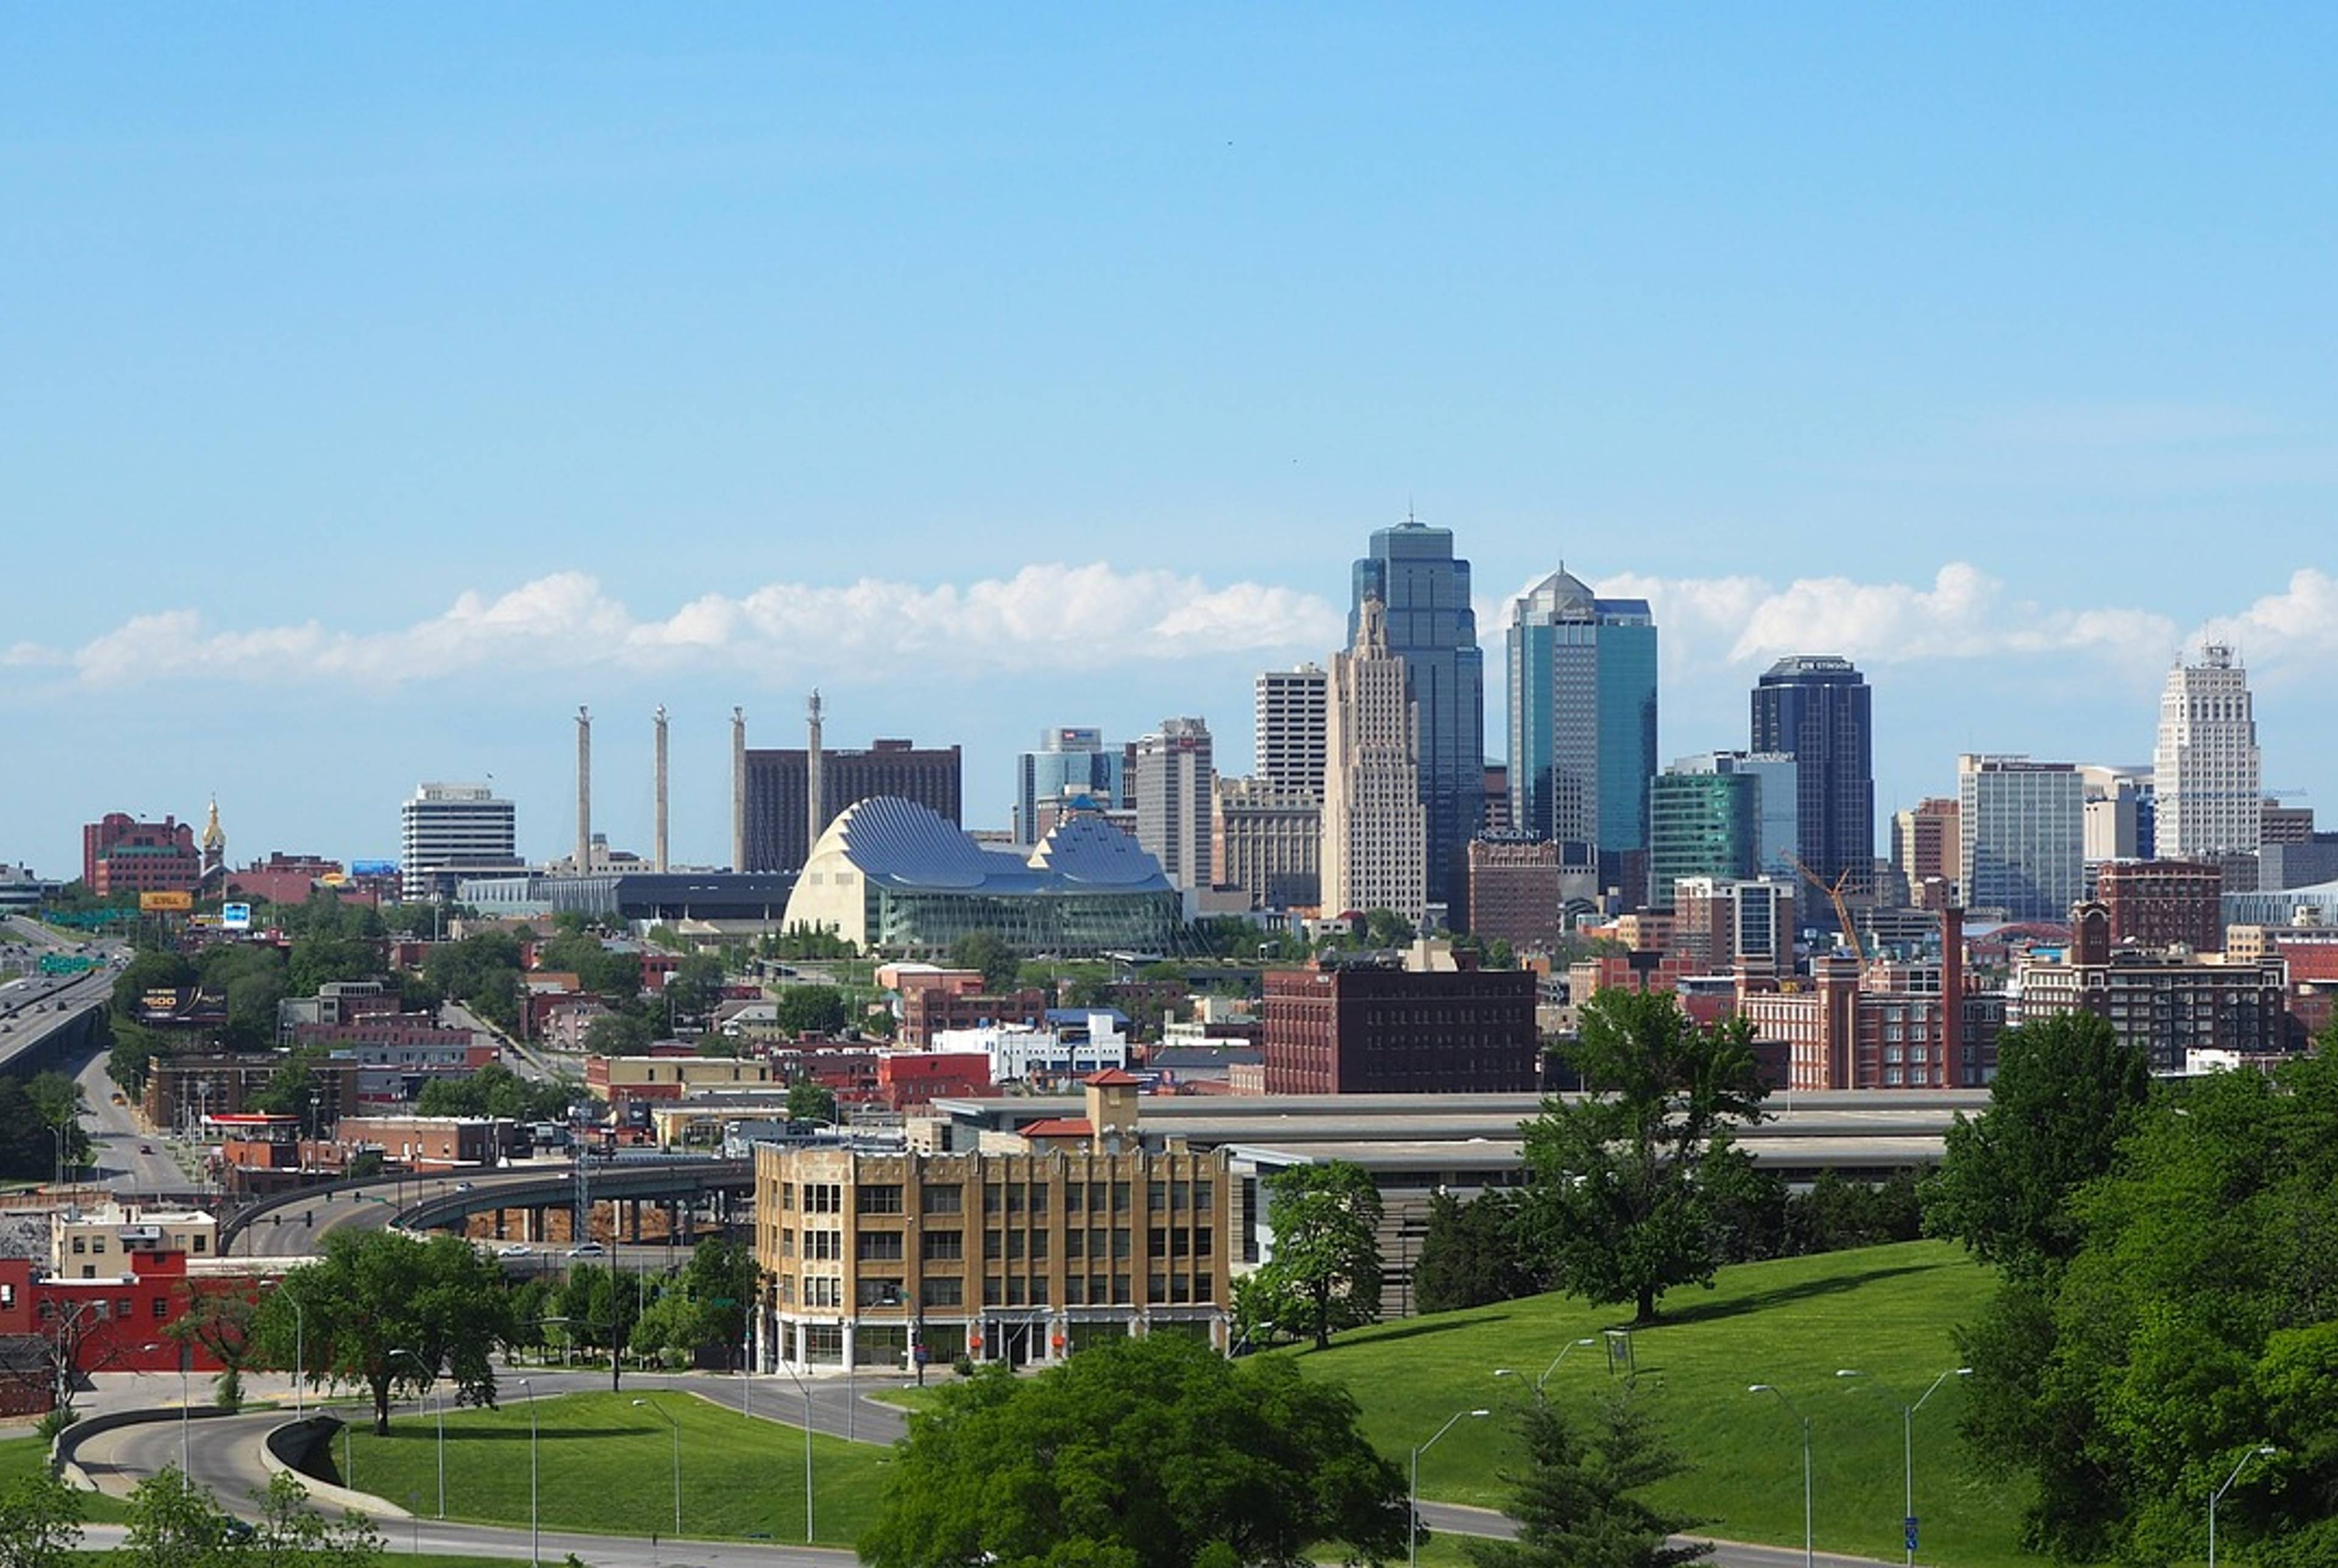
[1386,928]
[601,1307]
[720,1278]
[494,1090]
[40,1522]
[1137,1452]
[219,1321]
[1324,1272]
[373,1292]
[1470,1254]
[618,1034]
[808,1102]
[319,959]
[2191,1315]
[809,1010]
[292,1535]
[1576,1498]
[251,977]
[58,1097]
[986,951]
[695,986]
[173,1523]
[1628,1182]
[2066,1092]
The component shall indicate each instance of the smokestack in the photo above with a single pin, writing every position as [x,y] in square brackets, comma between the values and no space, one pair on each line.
[814,817]
[739,789]
[657,829]
[584,790]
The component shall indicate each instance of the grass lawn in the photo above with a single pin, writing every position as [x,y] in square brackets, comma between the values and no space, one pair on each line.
[1886,1310]
[607,1466]
[29,1456]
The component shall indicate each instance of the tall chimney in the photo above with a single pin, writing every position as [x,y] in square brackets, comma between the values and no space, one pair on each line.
[739,789]
[657,829]
[1952,998]
[584,790]
[814,817]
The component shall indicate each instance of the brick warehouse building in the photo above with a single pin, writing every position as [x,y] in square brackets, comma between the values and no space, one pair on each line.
[1376,1029]
[2164,903]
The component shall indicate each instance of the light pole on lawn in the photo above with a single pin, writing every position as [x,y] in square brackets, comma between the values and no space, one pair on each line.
[1539,1382]
[804,1384]
[2263,1451]
[1795,1411]
[1412,1495]
[677,1457]
[439,1405]
[534,1527]
[1908,1443]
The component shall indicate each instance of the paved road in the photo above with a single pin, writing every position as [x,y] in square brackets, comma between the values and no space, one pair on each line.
[128,1160]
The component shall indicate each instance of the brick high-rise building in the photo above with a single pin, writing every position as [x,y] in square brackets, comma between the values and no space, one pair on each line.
[120,853]
[1516,891]
[1925,845]
[2170,1005]
[2160,904]
[1388,1030]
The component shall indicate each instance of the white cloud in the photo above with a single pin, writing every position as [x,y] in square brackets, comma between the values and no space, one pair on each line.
[1042,615]
[2302,618]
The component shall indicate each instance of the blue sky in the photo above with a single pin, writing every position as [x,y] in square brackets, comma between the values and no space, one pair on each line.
[380,386]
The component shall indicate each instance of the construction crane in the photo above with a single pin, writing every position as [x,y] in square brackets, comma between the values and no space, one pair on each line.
[1841,905]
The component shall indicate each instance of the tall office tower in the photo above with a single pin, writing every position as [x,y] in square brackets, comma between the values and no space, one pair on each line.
[1701,823]
[1926,846]
[779,822]
[1815,709]
[1583,718]
[1424,594]
[2021,830]
[1174,779]
[1072,763]
[2119,811]
[451,831]
[2205,769]
[1376,830]
[1777,819]
[1290,730]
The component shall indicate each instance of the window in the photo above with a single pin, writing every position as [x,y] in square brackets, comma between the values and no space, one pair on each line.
[787,1243]
[1120,1197]
[875,1292]
[884,1198]
[1038,1289]
[1156,1196]
[1038,1246]
[823,1198]
[787,1194]
[1181,1195]
[1156,1242]
[1014,1246]
[1076,1195]
[1075,1243]
[1120,1295]
[1015,1200]
[942,1197]
[1076,1291]
[81,1245]
[942,1246]
[1120,1242]
[1095,1196]
[823,1246]
[993,1247]
[1156,1288]
[1038,1200]
[879,1246]
[1202,1239]
[1202,1197]
[202,1242]
[943,1290]
[823,1291]
[162,1309]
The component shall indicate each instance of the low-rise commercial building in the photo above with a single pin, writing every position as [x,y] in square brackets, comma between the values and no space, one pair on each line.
[85,1243]
[2170,1003]
[619,1079]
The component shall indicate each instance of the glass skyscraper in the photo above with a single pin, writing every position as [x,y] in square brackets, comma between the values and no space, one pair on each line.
[1583,719]
[1815,709]
[1432,628]
[1072,762]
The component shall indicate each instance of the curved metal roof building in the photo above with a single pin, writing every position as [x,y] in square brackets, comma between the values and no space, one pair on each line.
[892,876]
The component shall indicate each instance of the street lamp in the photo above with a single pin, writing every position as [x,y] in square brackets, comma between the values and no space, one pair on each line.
[535,1528]
[677,1458]
[299,1355]
[186,1409]
[1805,1422]
[438,1405]
[2263,1451]
[1413,1497]
[1570,1344]
[1908,1443]
[806,1386]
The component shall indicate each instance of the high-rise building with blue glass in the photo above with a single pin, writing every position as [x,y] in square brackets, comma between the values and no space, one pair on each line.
[1424,592]
[1073,763]
[1815,707]
[1583,721]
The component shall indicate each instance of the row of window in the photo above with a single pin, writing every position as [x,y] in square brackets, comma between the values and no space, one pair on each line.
[827,1246]
[1010,1197]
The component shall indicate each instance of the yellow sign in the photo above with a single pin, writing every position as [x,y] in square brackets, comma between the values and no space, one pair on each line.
[172,903]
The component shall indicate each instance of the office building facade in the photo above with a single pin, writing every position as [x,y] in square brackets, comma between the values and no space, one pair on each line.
[1817,709]
[1582,718]
[1175,779]
[120,853]
[1072,765]
[779,818]
[448,831]
[1926,845]
[1291,709]
[1268,843]
[1433,630]
[1376,833]
[1374,1030]
[2162,904]
[2021,827]
[2207,769]
[1701,824]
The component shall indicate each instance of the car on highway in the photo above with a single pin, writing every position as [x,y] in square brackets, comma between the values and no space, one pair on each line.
[145,1148]
[519,1250]
[589,1249]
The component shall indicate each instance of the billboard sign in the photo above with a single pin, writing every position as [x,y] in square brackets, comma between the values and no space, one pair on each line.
[235,917]
[165,903]
[373,867]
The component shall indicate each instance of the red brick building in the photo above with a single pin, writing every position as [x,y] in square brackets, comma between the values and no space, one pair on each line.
[906,1080]
[1886,1027]
[120,853]
[2164,903]
[1513,891]
[113,1325]
[1374,1030]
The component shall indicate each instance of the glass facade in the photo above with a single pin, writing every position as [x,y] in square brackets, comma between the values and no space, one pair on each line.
[1700,824]
[1583,716]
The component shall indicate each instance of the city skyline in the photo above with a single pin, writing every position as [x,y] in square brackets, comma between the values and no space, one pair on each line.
[994,375]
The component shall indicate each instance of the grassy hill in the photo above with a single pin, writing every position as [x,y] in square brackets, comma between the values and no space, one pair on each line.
[1888,1312]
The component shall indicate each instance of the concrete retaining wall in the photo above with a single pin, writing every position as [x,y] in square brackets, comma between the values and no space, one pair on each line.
[294,1447]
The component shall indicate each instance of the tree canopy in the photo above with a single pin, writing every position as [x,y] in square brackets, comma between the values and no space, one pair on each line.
[1137,1452]
[1323,1274]
[2191,1317]
[2066,1092]
[1471,1254]
[383,1309]
[494,1090]
[987,951]
[1575,1492]
[810,1009]
[1631,1183]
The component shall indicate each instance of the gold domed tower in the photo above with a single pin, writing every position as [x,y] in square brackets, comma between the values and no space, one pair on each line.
[214,842]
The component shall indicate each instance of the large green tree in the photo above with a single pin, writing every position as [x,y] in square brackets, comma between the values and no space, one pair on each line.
[2066,1092]
[40,1522]
[1470,1254]
[989,952]
[390,1312]
[1575,1493]
[2192,1316]
[809,1010]
[1631,1181]
[1323,1273]
[1138,1452]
